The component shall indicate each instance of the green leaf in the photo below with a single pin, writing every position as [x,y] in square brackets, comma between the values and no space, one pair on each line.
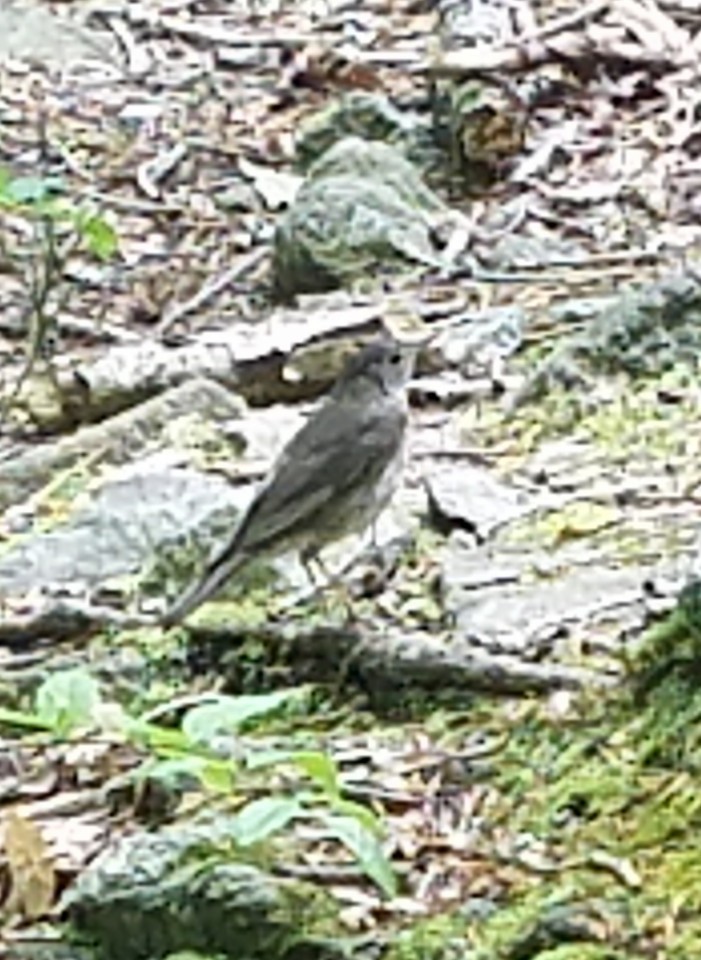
[32,189]
[193,955]
[261,818]
[320,767]
[99,237]
[228,714]
[5,198]
[162,740]
[22,719]
[218,776]
[467,98]
[68,699]
[366,848]
[361,813]
[176,755]
[268,758]
[171,771]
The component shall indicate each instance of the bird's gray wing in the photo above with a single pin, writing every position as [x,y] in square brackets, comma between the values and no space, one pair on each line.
[338,449]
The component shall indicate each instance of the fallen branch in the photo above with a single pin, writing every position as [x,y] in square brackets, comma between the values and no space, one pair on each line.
[250,362]
[393,664]
[62,620]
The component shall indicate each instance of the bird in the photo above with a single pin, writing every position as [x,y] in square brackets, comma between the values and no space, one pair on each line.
[332,479]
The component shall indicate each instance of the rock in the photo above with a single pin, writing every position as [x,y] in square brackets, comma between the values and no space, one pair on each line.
[498,603]
[513,251]
[642,333]
[121,439]
[476,341]
[358,113]
[29,31]
[114,531]
[107,502]
[363,209]
[464,496]
[152,894]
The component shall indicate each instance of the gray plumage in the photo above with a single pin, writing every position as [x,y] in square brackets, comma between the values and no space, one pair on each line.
[332,479]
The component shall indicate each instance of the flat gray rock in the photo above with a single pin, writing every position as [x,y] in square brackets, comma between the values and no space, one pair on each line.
[30,31]
[471,497]
[115,531]
[497,602]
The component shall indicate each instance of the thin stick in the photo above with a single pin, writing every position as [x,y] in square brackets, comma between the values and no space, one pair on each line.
[211,289]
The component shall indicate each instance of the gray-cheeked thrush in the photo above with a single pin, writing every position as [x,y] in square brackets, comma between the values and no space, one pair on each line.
[332,479]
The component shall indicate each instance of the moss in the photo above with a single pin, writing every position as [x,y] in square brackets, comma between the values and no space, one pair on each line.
[193,955]
[546,918]
[582,951]
[575,520]
[440,938]
[557,414]
[623,423]
[610,799]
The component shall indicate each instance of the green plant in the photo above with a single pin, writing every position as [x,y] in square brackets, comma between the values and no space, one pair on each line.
[42,198]
[57,227]
[209,745]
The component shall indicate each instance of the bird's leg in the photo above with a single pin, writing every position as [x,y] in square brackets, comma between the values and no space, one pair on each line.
[319,578]
[366,543]
[309,558]
[330,580]
[376,564]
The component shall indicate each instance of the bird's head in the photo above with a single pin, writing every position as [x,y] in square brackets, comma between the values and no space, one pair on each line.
[383,364]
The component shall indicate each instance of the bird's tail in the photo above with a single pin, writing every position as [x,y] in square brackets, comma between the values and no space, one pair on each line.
[197,593]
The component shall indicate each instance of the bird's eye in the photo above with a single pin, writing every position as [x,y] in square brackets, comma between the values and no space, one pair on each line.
[395,359]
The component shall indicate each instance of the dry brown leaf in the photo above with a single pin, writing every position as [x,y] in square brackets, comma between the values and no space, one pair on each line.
[31,869]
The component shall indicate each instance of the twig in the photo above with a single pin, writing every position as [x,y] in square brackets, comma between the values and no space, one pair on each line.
[151,173]
[568,21]
[216,36]
[138,60]
[211,289]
